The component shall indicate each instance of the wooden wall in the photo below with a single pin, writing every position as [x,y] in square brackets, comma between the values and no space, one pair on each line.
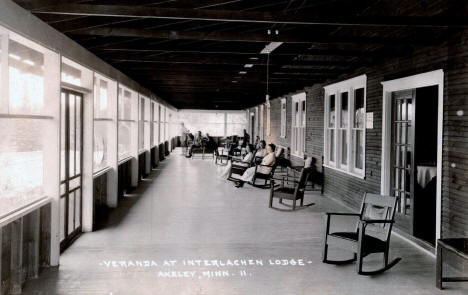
[452,57]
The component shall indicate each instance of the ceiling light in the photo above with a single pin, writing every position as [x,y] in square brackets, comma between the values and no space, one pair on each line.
[29,62]
[234,81]
[270,47]
[14,56]
[253,58]
[242,72]
[248,65]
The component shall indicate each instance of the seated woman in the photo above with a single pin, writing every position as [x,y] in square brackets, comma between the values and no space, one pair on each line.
[268,160]
[261,151]
[224,172]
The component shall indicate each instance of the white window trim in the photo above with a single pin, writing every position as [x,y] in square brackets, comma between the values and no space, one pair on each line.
[283,119]
[336,89]
[300,97]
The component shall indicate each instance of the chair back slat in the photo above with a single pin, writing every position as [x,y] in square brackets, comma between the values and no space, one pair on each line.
[300,187]
[378,207]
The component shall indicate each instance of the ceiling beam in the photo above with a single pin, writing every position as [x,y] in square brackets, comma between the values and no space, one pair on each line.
[253,16]
[299,37]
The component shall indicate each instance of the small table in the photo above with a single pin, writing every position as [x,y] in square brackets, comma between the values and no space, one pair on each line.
[459,246]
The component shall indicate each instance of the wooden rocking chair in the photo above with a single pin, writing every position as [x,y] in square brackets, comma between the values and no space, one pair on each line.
[284,192]
[238,167]
[372,234]
[221,158]
[263,176]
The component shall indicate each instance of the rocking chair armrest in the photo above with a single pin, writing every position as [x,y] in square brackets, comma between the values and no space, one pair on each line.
[238,160]
[342,214]
[370,221]
[262,165]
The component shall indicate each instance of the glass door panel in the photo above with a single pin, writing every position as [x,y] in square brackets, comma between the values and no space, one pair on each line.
[70,167]
[403,154]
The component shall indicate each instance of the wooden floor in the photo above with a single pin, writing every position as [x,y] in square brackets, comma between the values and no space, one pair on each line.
[182,215]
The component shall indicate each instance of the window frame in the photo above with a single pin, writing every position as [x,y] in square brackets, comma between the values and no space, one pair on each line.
[301,100]
[283,118]
[336,90]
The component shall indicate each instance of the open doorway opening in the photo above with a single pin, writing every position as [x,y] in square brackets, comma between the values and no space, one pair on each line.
[414,160]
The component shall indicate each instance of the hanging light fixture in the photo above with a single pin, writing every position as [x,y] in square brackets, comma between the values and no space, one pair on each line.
[267,96]
[267,50]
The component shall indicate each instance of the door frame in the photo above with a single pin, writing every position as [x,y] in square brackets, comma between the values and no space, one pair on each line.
[433,78]
[71,237]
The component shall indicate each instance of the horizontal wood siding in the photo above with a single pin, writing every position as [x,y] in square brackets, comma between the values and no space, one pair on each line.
[452,57]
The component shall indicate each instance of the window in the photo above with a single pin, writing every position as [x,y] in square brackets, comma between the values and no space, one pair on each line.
[283,118]
[102,121]
[141,124]
[29,98]
[156,123]
[125,122]
[236,123]
[345,126]
[268,119]
[298,124]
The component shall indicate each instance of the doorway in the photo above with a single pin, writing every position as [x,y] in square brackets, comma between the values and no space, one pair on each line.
[252,128]
[414,160]
[411,167]
[71,164]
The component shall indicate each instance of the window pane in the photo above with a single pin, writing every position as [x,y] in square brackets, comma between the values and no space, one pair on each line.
[344,147]
[331,141]
[331,113]
[141,125]
[100,144]
[235,124]
[71,165]
[124,139]
[77,208]
[359,148]
[303,113]
[297,118]
[26,84]
[71,212]
[22,145]
[359,108]
[71,75]
[344,110]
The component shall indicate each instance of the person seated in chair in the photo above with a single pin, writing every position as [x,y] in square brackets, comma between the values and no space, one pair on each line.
[261,150]
[268,160]
[225,171]
[209,142]
[197,142]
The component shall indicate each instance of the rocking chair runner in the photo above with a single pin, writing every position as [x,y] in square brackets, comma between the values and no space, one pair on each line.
[372,234]
[283,192]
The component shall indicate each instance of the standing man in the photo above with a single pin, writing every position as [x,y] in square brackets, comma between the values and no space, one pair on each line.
[246,139]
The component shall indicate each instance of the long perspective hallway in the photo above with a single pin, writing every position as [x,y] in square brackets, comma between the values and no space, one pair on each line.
[185,232]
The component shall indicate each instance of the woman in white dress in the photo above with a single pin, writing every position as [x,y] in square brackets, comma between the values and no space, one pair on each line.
[224,171]
[268,160]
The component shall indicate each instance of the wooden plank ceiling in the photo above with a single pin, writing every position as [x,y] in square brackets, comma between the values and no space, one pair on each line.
[194,53]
